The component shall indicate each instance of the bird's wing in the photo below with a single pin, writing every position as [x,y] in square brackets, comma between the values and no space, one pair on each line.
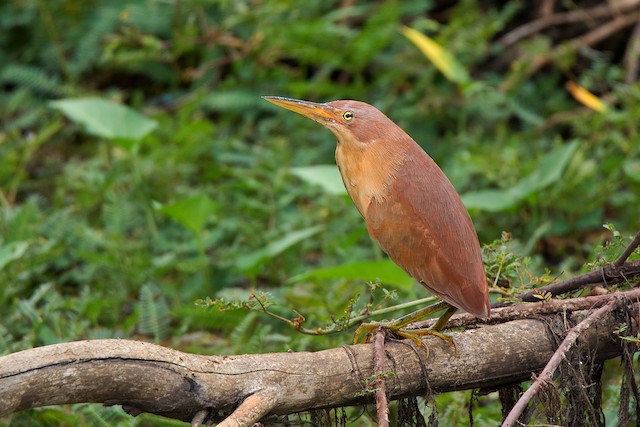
[424,227]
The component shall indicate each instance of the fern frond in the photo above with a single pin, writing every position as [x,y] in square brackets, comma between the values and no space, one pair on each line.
[153,317]
[34,79]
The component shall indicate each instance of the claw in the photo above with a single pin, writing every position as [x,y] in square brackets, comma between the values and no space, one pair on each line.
[414,334]
[396,326]
[367,329]
[411,334]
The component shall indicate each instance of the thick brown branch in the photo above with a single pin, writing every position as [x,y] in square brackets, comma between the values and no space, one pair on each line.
[149,378]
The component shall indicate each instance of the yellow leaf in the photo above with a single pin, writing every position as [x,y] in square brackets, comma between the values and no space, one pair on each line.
[586,98]
[439,56]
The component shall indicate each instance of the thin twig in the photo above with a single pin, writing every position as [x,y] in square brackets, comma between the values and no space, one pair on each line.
[580,15]
[632,56]
[382,404]
[527,310]
[627,252]
[335,328]
[547,373]
[588,39]
[608,275]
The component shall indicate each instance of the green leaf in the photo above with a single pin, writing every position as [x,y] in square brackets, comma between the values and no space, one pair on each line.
[632,169]
[489,200]
[439,56]
[106,119]
[11,252]
[250,263]
[549,171]
[326,176]
[192,212]
[386,271]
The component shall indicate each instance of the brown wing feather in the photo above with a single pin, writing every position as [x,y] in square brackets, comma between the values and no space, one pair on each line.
[424,227]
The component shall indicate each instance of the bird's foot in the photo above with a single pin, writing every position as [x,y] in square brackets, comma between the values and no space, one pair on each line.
[412,334]
[415,334]
[367,329]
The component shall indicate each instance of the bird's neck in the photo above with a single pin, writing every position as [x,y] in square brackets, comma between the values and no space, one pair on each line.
[369,169]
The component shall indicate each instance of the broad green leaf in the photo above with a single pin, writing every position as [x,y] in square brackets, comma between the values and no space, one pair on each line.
[250,263]
[191,212]
[326,176]
[632,169]
[439,56]
[11,252]
[549,171]
[107,119]
[489,200]
[386,271]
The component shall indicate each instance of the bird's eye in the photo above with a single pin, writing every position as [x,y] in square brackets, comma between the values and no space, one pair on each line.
[347,115]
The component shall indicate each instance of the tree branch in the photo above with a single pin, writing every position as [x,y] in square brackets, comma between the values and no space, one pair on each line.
[148,378]
[608,276]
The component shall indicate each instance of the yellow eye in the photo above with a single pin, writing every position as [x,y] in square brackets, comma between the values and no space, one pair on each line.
[347,115]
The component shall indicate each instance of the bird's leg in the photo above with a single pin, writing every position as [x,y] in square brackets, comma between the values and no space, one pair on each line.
[444,318]
[397,324]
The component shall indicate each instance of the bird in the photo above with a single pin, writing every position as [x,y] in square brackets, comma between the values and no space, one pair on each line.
[409,206]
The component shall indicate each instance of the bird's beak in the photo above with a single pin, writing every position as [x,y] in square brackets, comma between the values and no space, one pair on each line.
[321,113]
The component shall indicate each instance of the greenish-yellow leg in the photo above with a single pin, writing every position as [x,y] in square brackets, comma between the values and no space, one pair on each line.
[412,334]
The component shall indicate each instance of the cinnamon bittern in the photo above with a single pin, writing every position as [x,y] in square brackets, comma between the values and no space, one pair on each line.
[410,207]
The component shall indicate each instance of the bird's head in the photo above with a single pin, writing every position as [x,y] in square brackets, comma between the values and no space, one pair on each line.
[353,123]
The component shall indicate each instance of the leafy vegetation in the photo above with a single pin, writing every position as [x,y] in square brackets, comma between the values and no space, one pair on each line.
[141,172]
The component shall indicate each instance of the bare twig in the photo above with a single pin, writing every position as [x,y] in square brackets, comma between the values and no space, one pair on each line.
[604,31]
[588,39]
[547,373]
[527,310]
[335,327]
[632,56]
[580,15]
[607,276]
[382,405]
[628,251]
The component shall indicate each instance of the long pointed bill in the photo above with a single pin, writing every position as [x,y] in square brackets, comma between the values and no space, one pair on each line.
[318,112]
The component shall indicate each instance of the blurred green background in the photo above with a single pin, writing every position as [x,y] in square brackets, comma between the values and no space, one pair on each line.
[115,221]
